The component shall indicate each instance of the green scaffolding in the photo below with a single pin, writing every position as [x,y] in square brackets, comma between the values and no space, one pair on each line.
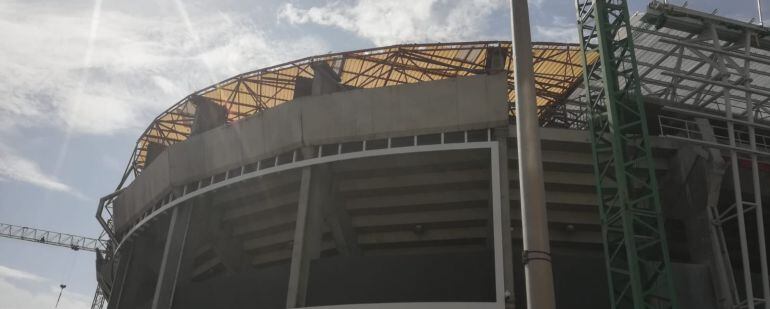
[636,254]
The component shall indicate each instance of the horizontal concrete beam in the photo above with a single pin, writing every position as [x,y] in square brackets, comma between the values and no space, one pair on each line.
[463,103]
[251,190]
[397,181]
[281,237]
[565,198]
[410,161]
[265,222]
[256,206]
[466,233]
[423,217]
[355,204]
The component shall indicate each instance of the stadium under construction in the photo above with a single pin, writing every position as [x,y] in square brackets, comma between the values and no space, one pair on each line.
[388,178]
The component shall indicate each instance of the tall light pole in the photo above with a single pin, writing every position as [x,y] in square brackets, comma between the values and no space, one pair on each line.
[537,251]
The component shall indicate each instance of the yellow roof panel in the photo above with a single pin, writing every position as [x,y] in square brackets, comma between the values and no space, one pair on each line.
[557,72]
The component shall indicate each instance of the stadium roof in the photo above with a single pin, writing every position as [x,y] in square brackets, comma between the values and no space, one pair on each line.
[557,66]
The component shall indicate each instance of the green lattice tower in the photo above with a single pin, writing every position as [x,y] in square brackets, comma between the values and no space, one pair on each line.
[636,254]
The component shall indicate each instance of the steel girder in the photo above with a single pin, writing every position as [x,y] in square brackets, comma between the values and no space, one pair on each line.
[636,253]
[725,74]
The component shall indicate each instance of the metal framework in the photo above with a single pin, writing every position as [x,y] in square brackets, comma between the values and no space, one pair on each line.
[73,242]
[557,74]
[636,252]
[721,69]
[99,299]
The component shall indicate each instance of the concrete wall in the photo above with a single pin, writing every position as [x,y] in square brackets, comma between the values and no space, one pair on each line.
[463,103]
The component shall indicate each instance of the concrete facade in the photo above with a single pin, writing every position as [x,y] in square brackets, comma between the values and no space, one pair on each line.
[448,105]
[384,198]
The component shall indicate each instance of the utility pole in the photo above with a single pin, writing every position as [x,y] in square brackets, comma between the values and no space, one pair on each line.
[534,221]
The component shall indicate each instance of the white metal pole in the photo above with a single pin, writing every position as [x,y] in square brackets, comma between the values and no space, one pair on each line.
[537,252]
[759,10]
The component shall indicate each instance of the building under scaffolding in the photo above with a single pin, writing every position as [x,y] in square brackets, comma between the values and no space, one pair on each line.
[389,176]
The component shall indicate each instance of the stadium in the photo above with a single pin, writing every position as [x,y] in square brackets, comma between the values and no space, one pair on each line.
[388,178]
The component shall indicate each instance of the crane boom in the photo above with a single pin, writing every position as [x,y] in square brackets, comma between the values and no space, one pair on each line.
[73,242]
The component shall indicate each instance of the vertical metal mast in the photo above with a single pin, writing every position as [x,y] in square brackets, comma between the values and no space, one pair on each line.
[537,251]
[636,253]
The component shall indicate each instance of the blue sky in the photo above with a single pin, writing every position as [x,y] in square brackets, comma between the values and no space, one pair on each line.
[82,79]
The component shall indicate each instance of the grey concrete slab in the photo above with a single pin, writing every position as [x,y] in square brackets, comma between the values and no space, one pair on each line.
[153,184]
[477,99]
[252,136]
[186,161]
[270,132]
[282,129]
[326,114]
[446,105]
[223,149]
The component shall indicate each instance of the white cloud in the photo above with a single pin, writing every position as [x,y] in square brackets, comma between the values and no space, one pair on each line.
[63,69]
[36,293]
[17,168]
[10,273]
[20,169]
[400,21]
[556,28]
[556,33]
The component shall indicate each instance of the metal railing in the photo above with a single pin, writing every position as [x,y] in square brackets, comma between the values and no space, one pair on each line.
[684,128]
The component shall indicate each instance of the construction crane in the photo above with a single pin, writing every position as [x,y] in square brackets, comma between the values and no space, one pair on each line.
[636,253]
[64,240]
[73,242]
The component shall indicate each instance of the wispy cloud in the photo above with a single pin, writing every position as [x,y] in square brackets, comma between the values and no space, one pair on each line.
[10,273]
[554,28]
[400,21]
[37,292]
[135,64]
[14,167]
[556,33]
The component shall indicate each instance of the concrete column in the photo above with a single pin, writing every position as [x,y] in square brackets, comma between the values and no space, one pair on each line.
[153,151]
[207,228]
[307,234]
[495,61]
[719,266]
[501,135]
[227,248]
[337,218]
[146,254]
[208,114]
[324,81]
[197,236]
[116,291]
[335,215]
[690,193]
[172,257]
